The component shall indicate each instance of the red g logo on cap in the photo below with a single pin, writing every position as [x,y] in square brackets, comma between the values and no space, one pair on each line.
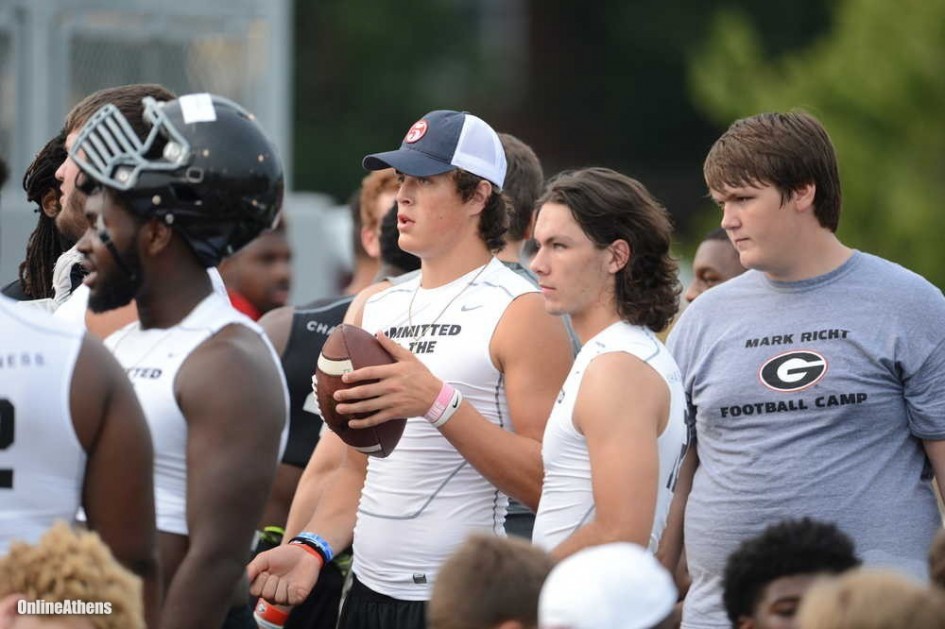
[416,132]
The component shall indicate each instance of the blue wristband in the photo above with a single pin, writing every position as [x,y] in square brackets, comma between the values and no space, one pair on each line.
[316,542]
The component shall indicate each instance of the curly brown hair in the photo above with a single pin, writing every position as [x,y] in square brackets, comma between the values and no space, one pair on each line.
[74,565]
[494,220]
[610,206]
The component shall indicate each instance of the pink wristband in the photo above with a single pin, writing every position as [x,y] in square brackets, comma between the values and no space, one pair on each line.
[440,403]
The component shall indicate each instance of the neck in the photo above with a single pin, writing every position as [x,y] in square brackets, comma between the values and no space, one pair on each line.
[820,254]
[444,269]
[590,323]
[170,294]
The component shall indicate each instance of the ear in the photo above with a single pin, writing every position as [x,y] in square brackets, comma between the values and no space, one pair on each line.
[803,196]
[157,235]
[371,242]
[50,203]
[480,197]
[619,255]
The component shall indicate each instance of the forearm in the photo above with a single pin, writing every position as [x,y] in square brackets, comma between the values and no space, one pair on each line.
[509,461]
[202,590]
[334,515]
[307,495]
[672,541]
[327,457]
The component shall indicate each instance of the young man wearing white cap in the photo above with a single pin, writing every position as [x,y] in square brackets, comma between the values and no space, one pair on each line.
[478,364]
[617,432]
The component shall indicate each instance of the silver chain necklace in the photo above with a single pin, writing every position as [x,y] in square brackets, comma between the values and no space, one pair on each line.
[445,308]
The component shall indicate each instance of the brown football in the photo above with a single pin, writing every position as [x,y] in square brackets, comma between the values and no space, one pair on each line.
[347,348]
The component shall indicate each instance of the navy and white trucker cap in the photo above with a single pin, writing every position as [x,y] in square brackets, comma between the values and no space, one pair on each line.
[442,141]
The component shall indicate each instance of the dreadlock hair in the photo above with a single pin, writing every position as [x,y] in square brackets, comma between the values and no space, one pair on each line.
[44,245]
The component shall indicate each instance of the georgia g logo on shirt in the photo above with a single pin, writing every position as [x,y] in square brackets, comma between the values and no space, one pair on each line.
[793,371]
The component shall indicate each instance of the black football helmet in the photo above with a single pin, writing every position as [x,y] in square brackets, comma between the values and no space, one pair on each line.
[206,168]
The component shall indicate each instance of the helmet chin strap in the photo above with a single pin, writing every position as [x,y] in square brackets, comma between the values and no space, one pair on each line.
[112,249]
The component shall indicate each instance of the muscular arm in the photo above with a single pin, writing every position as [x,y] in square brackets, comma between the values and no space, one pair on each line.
[621,408]
[532,351]
[118,493]
[232,396]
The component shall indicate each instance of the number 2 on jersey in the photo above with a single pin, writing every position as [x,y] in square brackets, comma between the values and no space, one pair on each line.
[6,440]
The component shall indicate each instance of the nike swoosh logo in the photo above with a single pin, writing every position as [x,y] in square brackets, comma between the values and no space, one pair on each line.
[467,308]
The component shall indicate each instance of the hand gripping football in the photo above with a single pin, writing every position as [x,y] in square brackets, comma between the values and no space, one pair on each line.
[347,348]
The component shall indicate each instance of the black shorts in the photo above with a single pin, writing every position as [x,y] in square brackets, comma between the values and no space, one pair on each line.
[366,609]
[320,609]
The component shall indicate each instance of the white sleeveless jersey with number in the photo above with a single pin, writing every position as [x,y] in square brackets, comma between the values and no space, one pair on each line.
[42,462]
[152,359]
[423,500]
[567,498]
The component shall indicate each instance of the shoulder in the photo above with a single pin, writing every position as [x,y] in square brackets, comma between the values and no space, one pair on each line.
[525,324]
[620,370]
[236,367]
[38,321]
[890,278]
[614,383]
[505,278]
[355,311]
[238,341]
[626,349]
[277,324]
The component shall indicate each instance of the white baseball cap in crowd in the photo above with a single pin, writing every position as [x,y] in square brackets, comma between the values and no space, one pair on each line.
[612,586]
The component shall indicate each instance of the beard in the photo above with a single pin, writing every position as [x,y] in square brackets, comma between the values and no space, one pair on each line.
[121,287]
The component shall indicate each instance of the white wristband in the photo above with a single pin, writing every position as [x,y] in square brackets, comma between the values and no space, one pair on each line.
[450,409]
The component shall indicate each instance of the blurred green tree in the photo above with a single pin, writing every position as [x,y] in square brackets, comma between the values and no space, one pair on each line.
[364,72]
[875,80]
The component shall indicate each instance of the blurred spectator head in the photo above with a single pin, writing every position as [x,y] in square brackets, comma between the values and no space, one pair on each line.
[766,577]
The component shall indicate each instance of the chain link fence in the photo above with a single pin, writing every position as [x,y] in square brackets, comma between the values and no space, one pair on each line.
[55,52]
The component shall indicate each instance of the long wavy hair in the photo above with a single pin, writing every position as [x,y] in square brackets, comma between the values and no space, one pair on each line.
[610,206]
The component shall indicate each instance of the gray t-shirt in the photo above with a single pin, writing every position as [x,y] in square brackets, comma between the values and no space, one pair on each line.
[811,398]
